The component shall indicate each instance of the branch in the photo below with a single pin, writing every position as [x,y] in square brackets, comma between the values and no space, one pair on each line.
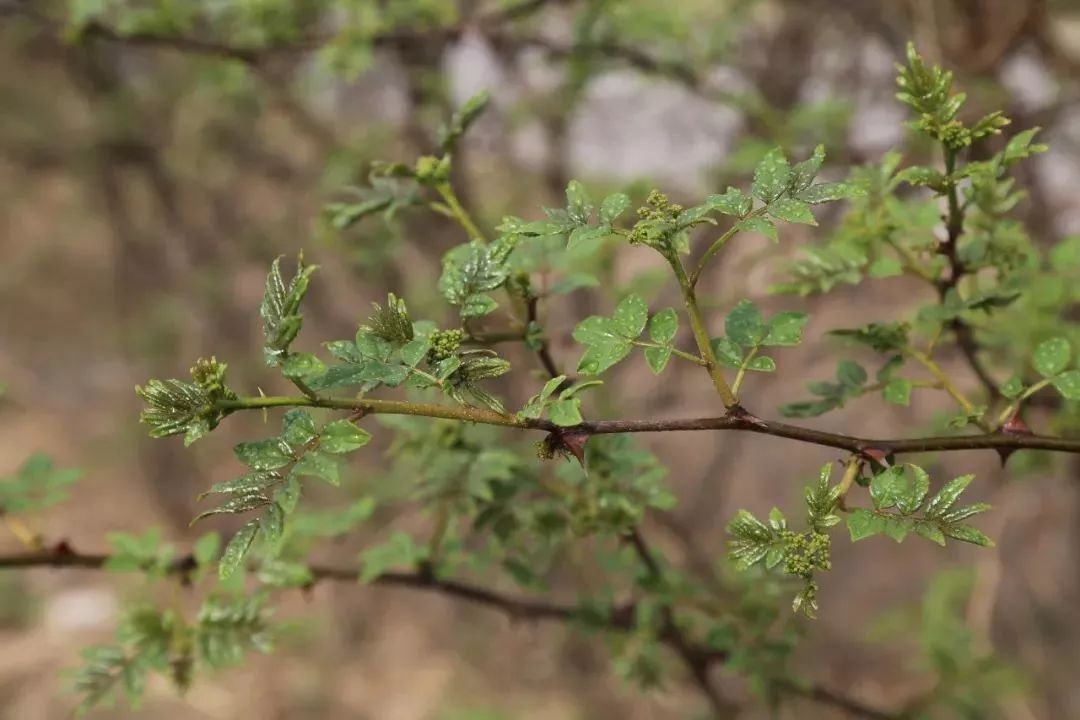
[620,618]
[738,421]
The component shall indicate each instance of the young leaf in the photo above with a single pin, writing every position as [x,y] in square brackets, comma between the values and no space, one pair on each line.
[1052,356]
[1068,384]
[745,326]
[317,464]
[792,210]
[663,326]
[785,329]
[342,436]
[237,549]
[771,176]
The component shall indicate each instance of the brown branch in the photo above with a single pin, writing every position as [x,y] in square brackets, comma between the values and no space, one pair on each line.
[620,618]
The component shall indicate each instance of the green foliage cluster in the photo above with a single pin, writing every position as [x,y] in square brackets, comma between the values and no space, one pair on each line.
[438,388]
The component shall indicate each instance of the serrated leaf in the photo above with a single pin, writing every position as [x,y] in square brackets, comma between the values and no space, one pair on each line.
[415,350]
[898,527]
[897,391]
[273,523]
[918,487]
[342,436]
[1068,384]
[598,358]
[785,329]
[613,206]
[478,305]
[968,534]
[657,358]
[566,412]
[630,317]
[771,176]
[316,464]
[744,325]
[931,532]
[298,366]
[727,352]
[1052,356]
[947,496]
[804,172]
[663,326]
[759,225]
[263,454]
[237,549]
[732,202]
[828,192]
[886,488]
[578,205]
[298,427]
[1012,388]
[792,210]
[863,524]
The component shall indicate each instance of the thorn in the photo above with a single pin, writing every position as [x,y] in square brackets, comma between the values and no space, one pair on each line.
[63,548]
[1013,426]
[568,441]
[878,457]
[1016,425]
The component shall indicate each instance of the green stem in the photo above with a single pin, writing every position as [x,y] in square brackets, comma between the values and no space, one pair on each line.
[948,386]
[851,474]
[1015,404]
[718,245]
[674,351]
[701,335]
[741,374]
[446,192]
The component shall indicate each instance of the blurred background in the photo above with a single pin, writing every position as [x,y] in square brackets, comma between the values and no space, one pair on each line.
[148,175]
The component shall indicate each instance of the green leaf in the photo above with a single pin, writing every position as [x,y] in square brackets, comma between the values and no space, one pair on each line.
[785,329]
[762,363]
[885,266]
[264,454]
[663,326]
[273,523]
[316,464]
[792,210]
[759,225]
[298,366]
[399,550]
[598,358]
[237,549]
[910,501]
[968,534]
[727,352]
[630,317]
[298,427]
[863,524]
[732,202]
[947,496]
[566,412]
[657,358]
[342,436]
[1052,356]
[478,305]
[1012,388]
[828,192]
[897,391]
[931,532]
[850,373]
[613,206]
[36,485]
[1068,384]
[745,326]
[281,321]
[578,205]
[771,176]
[886,488]
[804,172]
[415,350]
